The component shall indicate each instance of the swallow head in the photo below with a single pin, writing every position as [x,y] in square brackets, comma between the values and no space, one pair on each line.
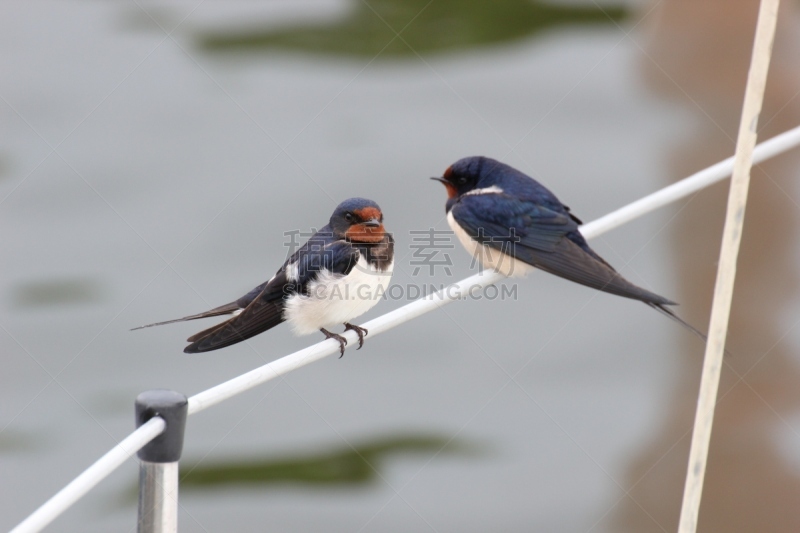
[358,220]
[466,174]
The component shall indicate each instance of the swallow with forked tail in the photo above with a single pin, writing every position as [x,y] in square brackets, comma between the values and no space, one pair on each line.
[337,275]
[513,223]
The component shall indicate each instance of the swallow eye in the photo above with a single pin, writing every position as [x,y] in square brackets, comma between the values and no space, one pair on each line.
[349,217]
[462,180]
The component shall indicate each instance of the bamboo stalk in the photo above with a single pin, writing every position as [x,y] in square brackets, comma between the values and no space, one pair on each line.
[726,272]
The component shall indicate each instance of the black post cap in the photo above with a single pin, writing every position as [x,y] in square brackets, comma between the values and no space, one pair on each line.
[173,408]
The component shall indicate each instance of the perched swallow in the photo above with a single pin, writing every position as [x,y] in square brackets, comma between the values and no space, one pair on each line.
[513,223]
[339,274]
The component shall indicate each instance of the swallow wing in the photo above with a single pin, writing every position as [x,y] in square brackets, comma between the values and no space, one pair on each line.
[331,258]
[500,220]
[544,238]
[262,312]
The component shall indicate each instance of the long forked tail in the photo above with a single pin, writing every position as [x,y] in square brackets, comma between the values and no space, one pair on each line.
[226,309]
[258,317]
[668,312]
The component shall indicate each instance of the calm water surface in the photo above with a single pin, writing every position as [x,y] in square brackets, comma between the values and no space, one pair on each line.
[147,177]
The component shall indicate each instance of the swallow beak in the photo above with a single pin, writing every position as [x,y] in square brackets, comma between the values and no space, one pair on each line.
[372,223]
[452,192]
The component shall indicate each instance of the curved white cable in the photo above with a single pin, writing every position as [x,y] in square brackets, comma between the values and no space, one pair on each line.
[90,477]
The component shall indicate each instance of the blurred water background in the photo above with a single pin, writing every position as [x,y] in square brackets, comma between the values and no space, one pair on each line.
[153,155]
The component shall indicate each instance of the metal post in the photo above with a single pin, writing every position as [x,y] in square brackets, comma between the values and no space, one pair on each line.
[158,470]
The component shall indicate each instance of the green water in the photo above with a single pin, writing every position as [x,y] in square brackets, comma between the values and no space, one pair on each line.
[401,28]
[360,464]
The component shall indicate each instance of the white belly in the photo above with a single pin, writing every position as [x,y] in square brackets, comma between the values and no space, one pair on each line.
[488,256]
[334,299]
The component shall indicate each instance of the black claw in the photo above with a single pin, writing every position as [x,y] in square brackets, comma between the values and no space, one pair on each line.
[361,332]
[342,340]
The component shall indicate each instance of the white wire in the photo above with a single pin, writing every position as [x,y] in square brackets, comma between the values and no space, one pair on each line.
[456,291]
[685,187]
[90,477]
[461,290]
[660,198]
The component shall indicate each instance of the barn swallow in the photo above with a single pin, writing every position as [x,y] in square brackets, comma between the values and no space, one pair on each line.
[339,274]
[512,223]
